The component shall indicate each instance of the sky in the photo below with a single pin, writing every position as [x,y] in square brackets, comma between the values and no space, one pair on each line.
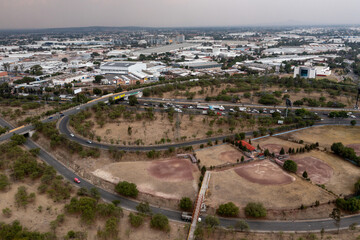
[16,14]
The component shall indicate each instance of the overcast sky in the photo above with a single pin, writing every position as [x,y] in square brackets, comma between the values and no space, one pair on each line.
[174,13]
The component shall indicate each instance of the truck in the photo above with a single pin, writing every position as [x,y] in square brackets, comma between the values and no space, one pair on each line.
[186,216]
[202,107]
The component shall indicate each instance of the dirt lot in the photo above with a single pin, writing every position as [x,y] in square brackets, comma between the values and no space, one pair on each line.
[275,144]
[35,220]
[169,178]
[264,173]
[344,174]
[228,186]
[327,135]
[151,132]
[218,155]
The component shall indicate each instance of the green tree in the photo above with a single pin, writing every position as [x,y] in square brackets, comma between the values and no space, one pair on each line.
[4,182]
[97,91]
[228,210]
[282,151]
[212,221]
[185,204]
[127,189]
[18,139]
[144,208]
[110,230]
[94,193]
[256,210]
[133,100]
[160,221]
[290,166]
[136,220]
[336,215]
[305,174]
[353,122]
[65,60]
[98,78]
[242,225]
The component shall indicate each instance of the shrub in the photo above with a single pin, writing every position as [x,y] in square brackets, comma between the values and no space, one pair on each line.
[4,182]
[212,221]
[290,166]
[228,210]
[255,210]
[185,204]
[305,174]
[7,212]
[160,221]
[144,208]
[351,205]
[242,225]
[136,220]
[127,189]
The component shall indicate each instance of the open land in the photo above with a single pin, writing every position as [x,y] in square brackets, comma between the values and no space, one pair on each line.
[190,127]
[282,193]
[219,155]
[327,135]
[169,178]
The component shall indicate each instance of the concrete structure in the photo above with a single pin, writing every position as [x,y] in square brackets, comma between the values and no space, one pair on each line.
[305,72]
[312,72]
[122,67]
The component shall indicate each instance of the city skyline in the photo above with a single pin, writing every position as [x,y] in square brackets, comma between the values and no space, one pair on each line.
[24,14]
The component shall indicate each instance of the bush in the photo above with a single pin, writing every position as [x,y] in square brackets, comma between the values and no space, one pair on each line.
[144,208]
[305,174]
[22,198]
[18,139]
[185,204]
[212,221]
[228,210]
[352,205]
[290,166]
[136,220]
[255,210]
[7,212]
[4,182]
[160,221]
[353,122]
[127,189]
[242,225]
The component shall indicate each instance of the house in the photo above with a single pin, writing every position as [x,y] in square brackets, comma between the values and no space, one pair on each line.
[248,146]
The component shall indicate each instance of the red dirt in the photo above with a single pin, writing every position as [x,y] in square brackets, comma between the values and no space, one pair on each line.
[172,169]
[264,172]
[356,147]
[231,156]
[273,148]
[318,171]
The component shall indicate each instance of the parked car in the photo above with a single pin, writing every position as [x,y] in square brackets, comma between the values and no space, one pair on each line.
[78,108]
[50,117]
[231,110]
[89,142]
[76,180]
[72,135]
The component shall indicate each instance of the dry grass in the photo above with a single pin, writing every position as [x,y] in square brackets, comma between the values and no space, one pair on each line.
[227,186]
[327,135]
[168,178]
[275,144]
[218,155]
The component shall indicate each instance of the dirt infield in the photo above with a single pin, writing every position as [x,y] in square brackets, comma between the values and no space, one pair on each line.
[264,172]
[219,155]
[172,170]
[356,147]
[168,178]
[318,171]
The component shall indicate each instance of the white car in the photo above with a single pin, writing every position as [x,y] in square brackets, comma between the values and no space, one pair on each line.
[231,110]
[352,116]
[77,108]
[191,107]
[72,135]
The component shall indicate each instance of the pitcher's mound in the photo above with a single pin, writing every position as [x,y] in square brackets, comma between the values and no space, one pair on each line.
[264,172]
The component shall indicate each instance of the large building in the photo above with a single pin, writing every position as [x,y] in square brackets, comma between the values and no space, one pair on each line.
[122,68]
[311,72]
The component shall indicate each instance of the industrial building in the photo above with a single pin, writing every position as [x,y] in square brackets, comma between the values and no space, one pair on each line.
[311,72]
[122,67]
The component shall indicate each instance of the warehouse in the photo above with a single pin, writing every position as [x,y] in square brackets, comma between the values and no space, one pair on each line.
[122,67]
